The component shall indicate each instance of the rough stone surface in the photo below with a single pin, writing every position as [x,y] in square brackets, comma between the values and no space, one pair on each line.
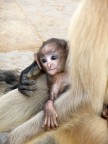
[3,138]
[24,24]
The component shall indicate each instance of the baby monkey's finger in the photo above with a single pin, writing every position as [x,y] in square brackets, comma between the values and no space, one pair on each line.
[52,122]
[49,123]
[45,122]
[55,122]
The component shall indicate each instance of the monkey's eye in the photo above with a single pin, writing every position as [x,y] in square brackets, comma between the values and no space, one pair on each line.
[54,57]
[44,60]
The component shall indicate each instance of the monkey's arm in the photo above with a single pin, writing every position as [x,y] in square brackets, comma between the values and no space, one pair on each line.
[9,76]
[54,92]
[50,114]
[27,79]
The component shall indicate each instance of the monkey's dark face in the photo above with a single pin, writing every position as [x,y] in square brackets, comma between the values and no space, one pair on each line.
[52,59]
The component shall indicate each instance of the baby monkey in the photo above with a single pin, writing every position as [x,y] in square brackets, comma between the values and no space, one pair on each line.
[51,58]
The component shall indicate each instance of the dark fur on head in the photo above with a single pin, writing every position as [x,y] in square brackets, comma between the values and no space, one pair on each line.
[60,43]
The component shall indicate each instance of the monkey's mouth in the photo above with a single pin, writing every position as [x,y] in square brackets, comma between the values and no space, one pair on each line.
[52,69]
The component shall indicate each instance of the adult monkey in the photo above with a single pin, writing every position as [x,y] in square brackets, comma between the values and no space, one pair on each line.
[80,121]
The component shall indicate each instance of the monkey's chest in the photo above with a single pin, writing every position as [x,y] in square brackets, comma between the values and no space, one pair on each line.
[64,87]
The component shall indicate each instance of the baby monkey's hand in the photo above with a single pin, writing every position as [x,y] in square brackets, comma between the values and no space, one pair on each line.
[50,119]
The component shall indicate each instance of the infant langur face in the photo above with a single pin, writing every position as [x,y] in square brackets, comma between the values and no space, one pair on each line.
[52,59]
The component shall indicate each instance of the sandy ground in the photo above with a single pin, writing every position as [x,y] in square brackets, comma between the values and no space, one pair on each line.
[24,25]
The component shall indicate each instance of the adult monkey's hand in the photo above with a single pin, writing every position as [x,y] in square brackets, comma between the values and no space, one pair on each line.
[27,84]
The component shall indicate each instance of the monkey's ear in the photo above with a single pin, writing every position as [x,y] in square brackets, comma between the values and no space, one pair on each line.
[37,60]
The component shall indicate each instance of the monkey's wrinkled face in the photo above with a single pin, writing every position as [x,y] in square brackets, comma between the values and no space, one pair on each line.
[52,60]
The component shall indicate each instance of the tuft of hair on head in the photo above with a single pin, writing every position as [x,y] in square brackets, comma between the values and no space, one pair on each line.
[61,43]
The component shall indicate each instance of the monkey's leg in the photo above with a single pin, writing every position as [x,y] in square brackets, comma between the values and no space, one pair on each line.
[32,127]
[15,108]
[48,138]
[83,129]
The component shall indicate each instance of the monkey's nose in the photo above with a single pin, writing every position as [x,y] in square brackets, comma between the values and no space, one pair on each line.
[49,65]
